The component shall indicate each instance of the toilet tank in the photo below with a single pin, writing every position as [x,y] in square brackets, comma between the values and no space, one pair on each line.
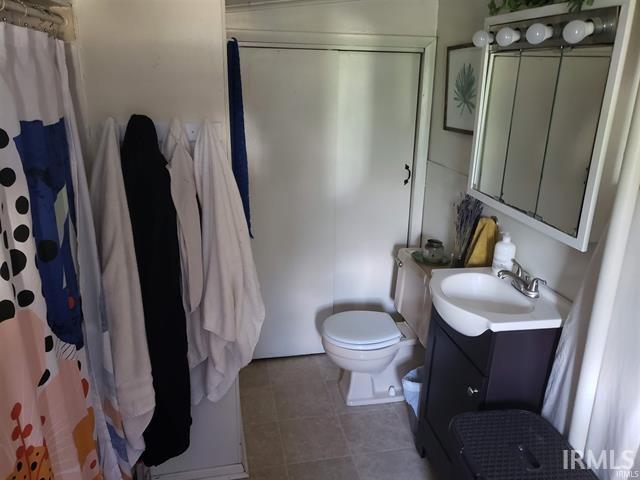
[412,298]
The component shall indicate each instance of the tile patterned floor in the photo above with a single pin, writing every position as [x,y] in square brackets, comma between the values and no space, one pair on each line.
[297,427]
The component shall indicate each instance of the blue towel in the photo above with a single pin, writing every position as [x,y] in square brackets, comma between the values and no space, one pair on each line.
[236,121]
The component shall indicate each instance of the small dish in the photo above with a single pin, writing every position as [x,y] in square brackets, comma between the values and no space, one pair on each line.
[419,257]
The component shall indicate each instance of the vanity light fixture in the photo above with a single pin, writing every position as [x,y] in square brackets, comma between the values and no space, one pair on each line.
[538,33]
[577,30]
[482,38]
[507,35]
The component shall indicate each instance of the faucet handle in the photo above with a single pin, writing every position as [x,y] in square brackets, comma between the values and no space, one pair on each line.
[534,283]
[517,268]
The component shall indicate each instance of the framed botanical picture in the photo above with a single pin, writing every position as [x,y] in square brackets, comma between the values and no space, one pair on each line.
[461,87]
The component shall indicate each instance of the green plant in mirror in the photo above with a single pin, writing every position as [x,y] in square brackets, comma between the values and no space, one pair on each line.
[464,92]
[498,6]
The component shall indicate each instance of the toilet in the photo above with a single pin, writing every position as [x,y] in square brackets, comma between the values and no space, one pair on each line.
[373,350]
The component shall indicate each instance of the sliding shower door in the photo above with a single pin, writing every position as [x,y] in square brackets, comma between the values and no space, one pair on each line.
[291,123]
[377,99]
[330,139]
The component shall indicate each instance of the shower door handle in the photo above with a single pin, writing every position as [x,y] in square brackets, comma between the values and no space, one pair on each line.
[408,169]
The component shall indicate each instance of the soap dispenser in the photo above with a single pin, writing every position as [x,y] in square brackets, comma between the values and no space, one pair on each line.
[503,254]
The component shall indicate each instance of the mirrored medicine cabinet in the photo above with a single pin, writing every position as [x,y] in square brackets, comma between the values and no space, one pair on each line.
[543,121]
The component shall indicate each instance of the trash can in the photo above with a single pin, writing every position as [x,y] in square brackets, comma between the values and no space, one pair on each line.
[411,387]
[511,444]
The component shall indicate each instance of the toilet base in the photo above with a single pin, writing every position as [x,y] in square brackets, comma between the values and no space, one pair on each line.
[367,375]
[360,389]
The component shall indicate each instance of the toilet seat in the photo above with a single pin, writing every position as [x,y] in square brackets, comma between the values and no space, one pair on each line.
[361,330]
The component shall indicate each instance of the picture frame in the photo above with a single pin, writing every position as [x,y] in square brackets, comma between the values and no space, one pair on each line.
[461,87]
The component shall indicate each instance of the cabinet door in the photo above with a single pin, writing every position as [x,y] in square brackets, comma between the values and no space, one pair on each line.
[455,386]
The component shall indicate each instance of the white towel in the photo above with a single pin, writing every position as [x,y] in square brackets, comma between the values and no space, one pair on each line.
[122,296]
[183,193]
[231,311]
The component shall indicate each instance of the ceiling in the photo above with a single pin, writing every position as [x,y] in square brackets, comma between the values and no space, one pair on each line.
[234,3]
[250,2]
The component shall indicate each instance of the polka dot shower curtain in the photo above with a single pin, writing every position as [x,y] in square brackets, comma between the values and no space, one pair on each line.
[53,423]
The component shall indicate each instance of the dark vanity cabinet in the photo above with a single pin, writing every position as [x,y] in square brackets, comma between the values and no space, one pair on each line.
[496,370]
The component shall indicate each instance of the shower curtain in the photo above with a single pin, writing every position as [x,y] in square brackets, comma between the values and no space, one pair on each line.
[593,395]
[614,424]
[53,419]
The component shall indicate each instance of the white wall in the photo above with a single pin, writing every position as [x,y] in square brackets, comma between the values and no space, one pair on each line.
[159,58]
[155,57]
[562,266]
[449,152]
[379,17]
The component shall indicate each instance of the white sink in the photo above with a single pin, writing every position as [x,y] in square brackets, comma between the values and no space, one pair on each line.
[474,300]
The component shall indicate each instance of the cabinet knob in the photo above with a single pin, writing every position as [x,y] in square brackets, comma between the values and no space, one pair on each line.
[471,391]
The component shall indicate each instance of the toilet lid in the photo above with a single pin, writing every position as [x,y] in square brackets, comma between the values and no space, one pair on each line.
[361,328]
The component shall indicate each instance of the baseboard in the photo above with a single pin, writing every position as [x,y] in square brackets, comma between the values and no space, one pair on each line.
[224,472]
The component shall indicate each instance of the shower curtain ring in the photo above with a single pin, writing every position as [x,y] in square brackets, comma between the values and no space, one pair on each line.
[26,9]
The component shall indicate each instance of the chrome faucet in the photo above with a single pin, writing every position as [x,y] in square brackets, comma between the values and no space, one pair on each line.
[522,281]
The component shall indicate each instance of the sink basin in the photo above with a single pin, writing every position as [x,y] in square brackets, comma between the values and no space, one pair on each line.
[474,300]
[484,292]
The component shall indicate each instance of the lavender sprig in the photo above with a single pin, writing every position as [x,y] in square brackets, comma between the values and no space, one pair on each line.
[467,212]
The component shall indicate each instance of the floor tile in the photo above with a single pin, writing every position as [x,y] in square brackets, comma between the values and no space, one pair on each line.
[264,446]
[269,473]
[332,469]
[397,465]
[329,369]
[258,405]
[323,360]
[375,431]
[256,374]
[293,370]
[310,439]
[402,410]
[309,399]
[297,427]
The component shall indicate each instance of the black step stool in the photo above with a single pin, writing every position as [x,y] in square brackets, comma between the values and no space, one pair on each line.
[511,445]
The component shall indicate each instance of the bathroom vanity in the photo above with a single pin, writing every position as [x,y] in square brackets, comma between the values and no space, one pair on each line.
[488,347]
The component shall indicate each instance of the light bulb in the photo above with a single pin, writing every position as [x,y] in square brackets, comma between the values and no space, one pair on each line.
[538,33]
[482,38]
[506,36]
[577,30]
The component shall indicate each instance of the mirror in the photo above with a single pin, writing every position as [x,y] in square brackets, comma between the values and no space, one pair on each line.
[541,120]
[544,118]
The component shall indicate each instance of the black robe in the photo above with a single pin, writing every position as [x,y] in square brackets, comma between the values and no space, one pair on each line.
[153,221]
